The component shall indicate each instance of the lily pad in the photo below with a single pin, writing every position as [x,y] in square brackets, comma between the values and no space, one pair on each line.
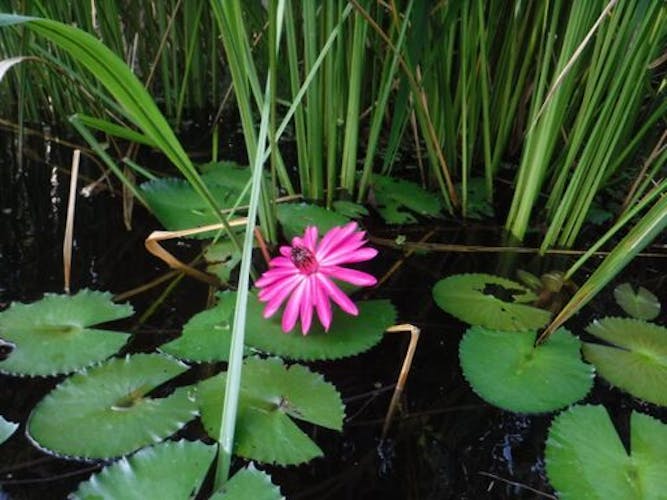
[585,458]
[53,335]
[222,258]
[349,209]
[509,371]
[178,206]
[489,301]
[206,337]
[270,394]
[104,412]
[249,483]
[295,217]
[7,428]
[641,304]
[169,470]
[395,199]
[637,361]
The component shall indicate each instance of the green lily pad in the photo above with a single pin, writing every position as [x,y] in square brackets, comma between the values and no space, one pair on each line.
[637,361]
[489,301]
[270,394]
[7,428]
[295,217]
[222,258]
[477,201]
[508,371]
[178,206]
[349,209]
[396,198]
[585,458]
[53,335]
[641,304]
[169,470]
[206,337]
[104,412]
[249,483]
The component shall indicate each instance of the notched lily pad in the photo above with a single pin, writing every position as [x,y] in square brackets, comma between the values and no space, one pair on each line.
[395,199]
[7,428]
[641,304]
[585,457]
[222,258]
[105,412]
[249,483]
[295,217]
[178,206]
[349,209]
[54,334]
[637,359]
[206,336]
[271,395]
[509,371]
[169,470]
[489,301]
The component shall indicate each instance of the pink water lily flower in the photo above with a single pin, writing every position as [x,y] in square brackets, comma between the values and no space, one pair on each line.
[304,271]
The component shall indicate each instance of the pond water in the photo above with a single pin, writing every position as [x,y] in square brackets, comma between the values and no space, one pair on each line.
[445,443]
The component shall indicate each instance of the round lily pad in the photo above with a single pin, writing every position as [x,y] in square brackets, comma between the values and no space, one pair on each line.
[641,304]
[585,458]
[104,412]
[249,483]
[53,335]
[206,337]
[395,199]
[489,301]
[169,470]
[295,217]
[637,360]
[270,394]
[509,371]
[7,428]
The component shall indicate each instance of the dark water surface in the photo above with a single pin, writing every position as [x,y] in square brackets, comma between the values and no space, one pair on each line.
[445,443]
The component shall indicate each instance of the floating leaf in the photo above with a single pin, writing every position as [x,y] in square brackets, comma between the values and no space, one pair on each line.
[7,428]
[104,412]
[585,458]
[53,335]
[474,298]
[295,217]
[270,394]
[349,209]
[222,258]
[393,196]
[177,205]
[170,470]
[638,361]
[477,198]
[206,336]
[249,483]
[641,305]
[509,371]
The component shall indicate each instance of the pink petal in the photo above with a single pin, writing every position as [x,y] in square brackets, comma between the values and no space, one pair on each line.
[286,251]
[337,295]
[333,238]
[273,275]
[267,294]
[344,256]
[322,304]
[278,296]
[307,306]
[281,262]
[350,275]
[310,238]
[293,306]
